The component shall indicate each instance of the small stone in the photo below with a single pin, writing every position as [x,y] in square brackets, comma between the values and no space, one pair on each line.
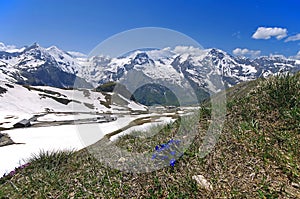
[122,160]
[5,140]
[296,185]
[202,182]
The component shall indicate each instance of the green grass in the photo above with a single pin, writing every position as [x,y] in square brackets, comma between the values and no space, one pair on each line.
[256,156]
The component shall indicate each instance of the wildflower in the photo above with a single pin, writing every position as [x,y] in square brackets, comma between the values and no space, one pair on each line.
[24,166]
[164,157]
[156,148]
[13,172]
[154,156]
[167,152]
[172,162]
[163,145]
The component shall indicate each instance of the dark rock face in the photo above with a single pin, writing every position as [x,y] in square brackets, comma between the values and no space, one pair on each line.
[153,94]
[47,75]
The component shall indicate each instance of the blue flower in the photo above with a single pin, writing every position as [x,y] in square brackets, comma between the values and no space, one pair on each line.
[172,162]
[154,156]
[164,157]
[170,141]
[156,148]
[167,152]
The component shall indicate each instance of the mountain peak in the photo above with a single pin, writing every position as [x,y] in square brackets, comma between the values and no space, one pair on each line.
[137,51]
[35,45]
[53,48]
[141,58]
[215,51]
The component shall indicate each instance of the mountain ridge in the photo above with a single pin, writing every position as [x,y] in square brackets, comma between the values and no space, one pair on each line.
[36,65]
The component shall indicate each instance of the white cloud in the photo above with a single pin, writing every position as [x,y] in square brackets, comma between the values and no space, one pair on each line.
[4,47]
[267,33]
[296,56]
[293,38]
[77,54]
[187,49]
[277,55]
[246,52]
[10,48]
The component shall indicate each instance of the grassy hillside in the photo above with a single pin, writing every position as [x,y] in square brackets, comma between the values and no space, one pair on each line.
[257,156]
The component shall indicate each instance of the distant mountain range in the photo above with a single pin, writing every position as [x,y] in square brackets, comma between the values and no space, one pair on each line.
[35,65]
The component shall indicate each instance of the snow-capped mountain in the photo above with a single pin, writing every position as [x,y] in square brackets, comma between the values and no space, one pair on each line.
[36,65]
[52,66]
[188,63]
[181,66]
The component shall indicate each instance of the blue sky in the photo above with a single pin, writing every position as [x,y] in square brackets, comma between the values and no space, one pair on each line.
[82,25]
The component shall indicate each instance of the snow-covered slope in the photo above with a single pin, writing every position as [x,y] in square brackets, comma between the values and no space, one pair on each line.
[22,102]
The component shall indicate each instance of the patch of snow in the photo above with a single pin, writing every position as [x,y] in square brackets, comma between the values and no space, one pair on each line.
[137,107]
[33,140]
[144,127]
[248,69]
[64,117]
[53,138]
